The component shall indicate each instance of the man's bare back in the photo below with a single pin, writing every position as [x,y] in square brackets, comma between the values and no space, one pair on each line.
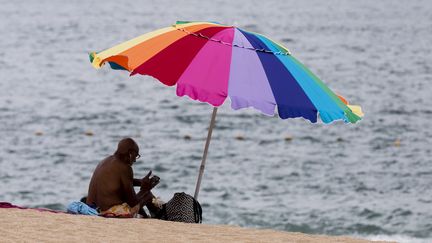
[107,186]
[113,184]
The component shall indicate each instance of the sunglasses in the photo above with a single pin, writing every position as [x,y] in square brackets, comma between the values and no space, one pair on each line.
[137,156]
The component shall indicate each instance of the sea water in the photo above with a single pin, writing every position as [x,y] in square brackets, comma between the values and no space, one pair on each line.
[59,117]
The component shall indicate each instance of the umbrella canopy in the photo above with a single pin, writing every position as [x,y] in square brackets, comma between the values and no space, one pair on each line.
[209,62]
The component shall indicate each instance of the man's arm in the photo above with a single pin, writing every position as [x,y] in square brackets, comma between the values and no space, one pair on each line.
[127,186]
[136,182]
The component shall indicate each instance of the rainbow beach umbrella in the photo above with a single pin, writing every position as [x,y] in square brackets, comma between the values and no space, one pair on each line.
[210,62]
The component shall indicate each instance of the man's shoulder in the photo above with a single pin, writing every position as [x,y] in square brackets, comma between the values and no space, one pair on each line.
[113,162]
[120,165]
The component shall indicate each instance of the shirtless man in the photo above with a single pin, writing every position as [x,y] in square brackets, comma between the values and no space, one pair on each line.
[111,188]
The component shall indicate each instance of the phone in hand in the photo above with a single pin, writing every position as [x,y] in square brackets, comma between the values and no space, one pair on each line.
[154,181]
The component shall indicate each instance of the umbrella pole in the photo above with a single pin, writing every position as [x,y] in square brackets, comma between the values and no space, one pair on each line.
[201,171]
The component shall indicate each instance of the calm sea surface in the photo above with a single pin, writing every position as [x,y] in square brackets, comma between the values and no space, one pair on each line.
[59,117]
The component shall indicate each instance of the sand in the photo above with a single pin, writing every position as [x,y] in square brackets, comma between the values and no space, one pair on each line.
[29,225]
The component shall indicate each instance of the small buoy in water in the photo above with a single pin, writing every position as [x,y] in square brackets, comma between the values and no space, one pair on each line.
[239,137]
[288,138]
[339,140]
[89,133]
[187,137]
[38,133]
[397,142]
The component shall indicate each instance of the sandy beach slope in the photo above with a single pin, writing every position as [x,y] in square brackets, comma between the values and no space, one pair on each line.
[33,226]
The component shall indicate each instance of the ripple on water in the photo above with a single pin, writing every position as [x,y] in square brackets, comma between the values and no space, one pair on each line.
[369,214]
[367,229]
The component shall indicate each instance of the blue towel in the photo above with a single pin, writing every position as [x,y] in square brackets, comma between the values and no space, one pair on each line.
[81,208]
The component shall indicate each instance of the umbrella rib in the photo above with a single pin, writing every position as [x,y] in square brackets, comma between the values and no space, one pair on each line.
[233,45]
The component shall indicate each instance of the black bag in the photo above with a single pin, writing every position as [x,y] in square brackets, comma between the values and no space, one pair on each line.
[181,208]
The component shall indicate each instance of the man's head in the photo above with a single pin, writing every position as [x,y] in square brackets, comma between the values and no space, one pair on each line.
[127,150]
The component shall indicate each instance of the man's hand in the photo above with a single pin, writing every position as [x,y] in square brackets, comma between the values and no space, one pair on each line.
[148,183]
